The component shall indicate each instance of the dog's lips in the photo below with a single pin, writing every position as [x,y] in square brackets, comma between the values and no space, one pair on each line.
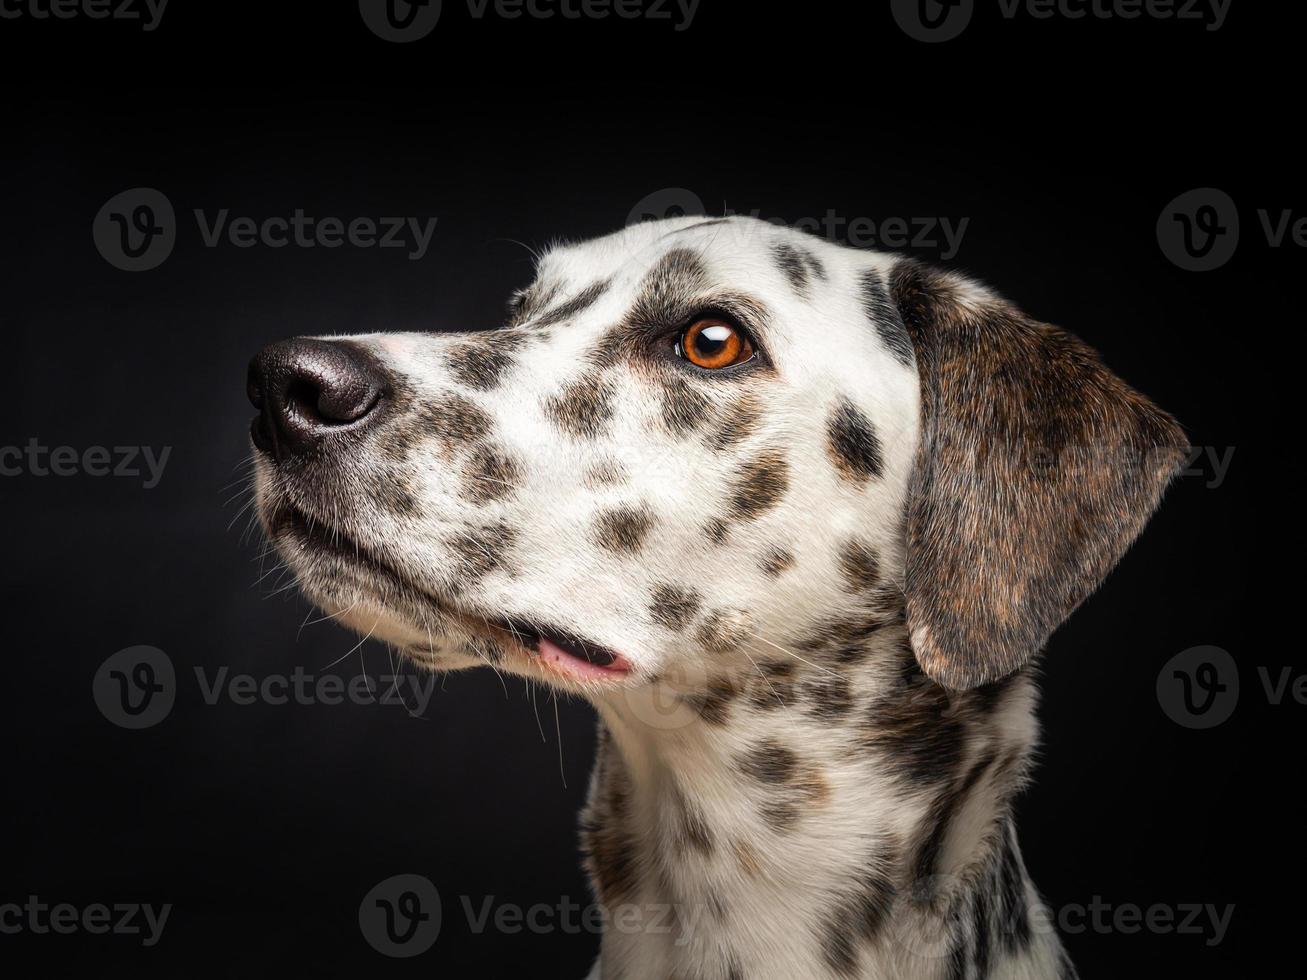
[566,654]
[320,538]
[571,664]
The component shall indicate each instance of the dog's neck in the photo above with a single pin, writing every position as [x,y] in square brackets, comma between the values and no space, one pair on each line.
[838,815]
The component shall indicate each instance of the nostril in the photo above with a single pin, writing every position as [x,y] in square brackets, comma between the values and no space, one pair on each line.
[335,401]
[305,390]
[254,386]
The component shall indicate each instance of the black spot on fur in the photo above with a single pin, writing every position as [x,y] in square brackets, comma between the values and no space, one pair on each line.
[479,551]
[739,421]
[717,531]
[771,762]
[488,650]
[844,641]
[859,916]
[672,607]
[722,632]
[1013,910]
[773,687]
[482,363]
[829,696]
[583,408]
[454,419]
[679,275]
[490,475]
[713,704]
[914,725]
[528,303]
[685,408]
[981,915]
[799,265]
[622,530]
[667,295]
[692,827]
[884,316]
[860,564]
[939,820]
[573,307]
[610,849]
[761,485]
[853,443]
[775,561]
[394,493]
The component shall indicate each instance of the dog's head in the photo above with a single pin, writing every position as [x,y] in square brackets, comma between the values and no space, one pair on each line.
[698,441]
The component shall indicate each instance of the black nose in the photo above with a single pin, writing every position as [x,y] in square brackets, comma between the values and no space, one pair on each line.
[306,390]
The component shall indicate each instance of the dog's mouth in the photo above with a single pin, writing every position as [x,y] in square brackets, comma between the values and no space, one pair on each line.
[566,653]
[556,650]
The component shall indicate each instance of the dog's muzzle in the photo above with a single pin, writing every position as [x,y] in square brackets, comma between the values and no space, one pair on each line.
[308,391]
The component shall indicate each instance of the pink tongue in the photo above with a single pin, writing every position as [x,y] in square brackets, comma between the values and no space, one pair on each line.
[565,662]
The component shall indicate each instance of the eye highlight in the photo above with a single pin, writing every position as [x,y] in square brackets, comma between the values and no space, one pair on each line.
[712,343]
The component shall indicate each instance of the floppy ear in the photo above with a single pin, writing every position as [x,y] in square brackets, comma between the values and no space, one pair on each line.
[1036,469]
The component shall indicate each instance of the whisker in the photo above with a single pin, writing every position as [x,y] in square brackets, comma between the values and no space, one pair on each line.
[791,653]
[558,730]
[356,646]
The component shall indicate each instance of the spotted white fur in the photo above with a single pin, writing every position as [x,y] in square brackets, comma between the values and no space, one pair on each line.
[804,802]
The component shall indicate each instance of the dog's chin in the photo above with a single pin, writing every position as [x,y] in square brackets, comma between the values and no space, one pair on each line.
[363,592]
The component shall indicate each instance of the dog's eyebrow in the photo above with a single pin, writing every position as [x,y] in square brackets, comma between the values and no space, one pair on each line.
[578,304]
[676,281]
[674,289]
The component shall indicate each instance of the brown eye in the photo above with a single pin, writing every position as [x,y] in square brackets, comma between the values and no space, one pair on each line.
[711,343]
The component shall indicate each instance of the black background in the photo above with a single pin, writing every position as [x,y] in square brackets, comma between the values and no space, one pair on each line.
[265,825]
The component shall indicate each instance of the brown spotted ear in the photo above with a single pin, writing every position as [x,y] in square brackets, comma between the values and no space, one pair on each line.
[1037,467]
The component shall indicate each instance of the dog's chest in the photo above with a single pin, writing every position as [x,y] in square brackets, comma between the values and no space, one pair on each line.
[729,864]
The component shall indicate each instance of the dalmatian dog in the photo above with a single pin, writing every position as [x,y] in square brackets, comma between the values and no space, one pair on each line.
[796,518]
